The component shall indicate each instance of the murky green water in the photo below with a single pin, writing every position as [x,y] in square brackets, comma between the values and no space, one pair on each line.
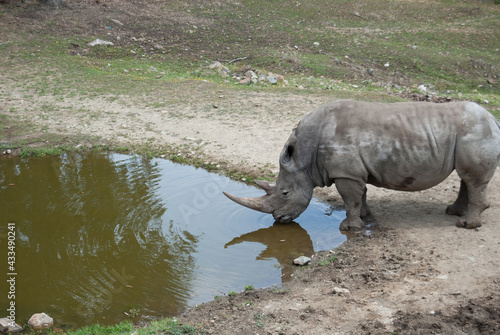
[102,238]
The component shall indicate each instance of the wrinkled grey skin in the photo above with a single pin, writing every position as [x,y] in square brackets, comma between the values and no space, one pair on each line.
[400,146]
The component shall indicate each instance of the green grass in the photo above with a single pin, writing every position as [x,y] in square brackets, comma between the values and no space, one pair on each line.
[249,287]
[456,48]
[166,326]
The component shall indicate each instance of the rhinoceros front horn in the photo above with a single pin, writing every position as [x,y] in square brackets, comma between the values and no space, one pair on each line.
[261,204]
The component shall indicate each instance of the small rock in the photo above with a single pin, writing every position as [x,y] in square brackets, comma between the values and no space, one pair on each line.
[251,74]
[215,65]
[40,321]
[222,70]
[8,326]
[98,41]
[369,71]
[245,81]
[387,64]
[340,291]
[302,260]
[117,22]
[272,79]
[316,44]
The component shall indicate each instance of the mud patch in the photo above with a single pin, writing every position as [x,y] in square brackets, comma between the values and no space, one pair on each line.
[476,316]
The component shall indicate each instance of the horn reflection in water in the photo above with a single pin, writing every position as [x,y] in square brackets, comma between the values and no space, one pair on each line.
[98,236]
[284,242]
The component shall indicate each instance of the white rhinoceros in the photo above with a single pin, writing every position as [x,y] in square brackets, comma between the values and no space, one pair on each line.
[401,146]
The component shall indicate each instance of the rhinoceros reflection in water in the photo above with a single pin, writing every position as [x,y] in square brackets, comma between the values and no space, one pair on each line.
[283,242]
[401,146]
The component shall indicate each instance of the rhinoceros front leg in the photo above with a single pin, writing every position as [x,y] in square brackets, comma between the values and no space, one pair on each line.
[354,195]
[365,210]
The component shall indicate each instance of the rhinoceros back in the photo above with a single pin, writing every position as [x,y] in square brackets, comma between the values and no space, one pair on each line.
[402,146]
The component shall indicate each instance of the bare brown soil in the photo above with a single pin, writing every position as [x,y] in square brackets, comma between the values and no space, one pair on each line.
[413,272]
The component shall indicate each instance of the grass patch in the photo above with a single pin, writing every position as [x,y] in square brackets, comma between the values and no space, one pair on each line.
[166,326]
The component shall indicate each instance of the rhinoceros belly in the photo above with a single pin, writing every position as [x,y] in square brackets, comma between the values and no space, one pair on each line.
[408,166]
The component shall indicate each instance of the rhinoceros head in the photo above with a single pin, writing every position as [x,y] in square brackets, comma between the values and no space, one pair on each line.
[290,195]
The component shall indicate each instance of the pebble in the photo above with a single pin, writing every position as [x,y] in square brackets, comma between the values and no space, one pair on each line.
[302,260]
[7,326]
[340,291]
[40,321]
[272,79]
[98,41]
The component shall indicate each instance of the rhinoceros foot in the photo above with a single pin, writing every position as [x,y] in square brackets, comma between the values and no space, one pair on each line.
[352,224]
[455,209]
[469,224]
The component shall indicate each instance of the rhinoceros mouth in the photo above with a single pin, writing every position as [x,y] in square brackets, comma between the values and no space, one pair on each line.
[283,218]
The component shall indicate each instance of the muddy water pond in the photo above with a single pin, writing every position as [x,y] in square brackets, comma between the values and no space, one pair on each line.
[106,237]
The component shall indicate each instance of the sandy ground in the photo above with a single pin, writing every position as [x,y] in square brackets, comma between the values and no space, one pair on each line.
[416,273]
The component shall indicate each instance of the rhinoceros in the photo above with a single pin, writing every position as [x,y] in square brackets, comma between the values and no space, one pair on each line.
[407,146]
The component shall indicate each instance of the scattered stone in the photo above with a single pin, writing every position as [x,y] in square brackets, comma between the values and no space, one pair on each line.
[340,291]
[222,70]
[40,321]
[272,79]
[369,71]
[301,261]
[387,64]
[8,326]
[245,81]
[117,22]
[98,41]
[316,44]
[252,75]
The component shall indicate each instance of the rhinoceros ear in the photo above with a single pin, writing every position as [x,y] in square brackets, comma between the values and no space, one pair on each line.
[288,150]
[270,188]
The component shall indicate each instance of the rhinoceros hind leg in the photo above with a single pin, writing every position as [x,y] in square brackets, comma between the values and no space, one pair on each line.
[459,207]
[463,223]
[477,204]
[353,193]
